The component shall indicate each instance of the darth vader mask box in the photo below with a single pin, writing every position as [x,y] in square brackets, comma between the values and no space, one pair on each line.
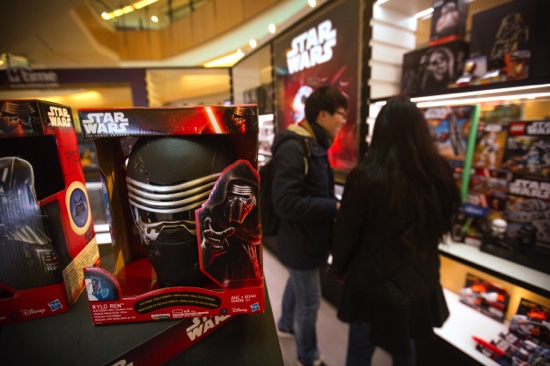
[182,192]
[519,26]
[47,235]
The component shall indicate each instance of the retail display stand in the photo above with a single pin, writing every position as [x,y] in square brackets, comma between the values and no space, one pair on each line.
[71,338]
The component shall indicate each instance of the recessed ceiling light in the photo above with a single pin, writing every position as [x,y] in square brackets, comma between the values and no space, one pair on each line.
[155,19]
[253,43]
[312,3]
[272,28]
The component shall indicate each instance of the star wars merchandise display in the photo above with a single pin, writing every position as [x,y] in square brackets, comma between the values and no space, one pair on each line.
[510,36]
[527,341]
[525,238]
[433,69]
[47,235]
[448,21]
[182,192]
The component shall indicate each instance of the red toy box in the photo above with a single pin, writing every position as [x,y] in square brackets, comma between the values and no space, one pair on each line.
[182,192]
[46,231]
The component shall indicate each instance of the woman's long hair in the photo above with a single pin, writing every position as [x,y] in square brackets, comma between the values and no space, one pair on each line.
[411,182]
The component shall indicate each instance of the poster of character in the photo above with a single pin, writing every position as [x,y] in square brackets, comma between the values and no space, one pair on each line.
[450,127]
[433,69]
[321,51]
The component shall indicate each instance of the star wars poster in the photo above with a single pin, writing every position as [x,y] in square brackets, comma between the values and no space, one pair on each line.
[321,51]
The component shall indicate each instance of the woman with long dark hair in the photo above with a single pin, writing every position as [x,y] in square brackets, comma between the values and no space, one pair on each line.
[397,205]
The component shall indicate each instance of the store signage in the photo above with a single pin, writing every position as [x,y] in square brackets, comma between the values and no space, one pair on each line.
[312,47]
[28,78]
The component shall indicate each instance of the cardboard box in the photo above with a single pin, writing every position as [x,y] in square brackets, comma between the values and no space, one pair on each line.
[46,231]
[182,192]
[514,26]
[448,21]
[433,69]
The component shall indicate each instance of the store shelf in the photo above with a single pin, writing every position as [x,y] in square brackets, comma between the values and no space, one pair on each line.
[528,278]
[465,322]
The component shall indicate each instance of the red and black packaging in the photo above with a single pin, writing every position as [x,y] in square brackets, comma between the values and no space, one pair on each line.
[182,191]
[46,231]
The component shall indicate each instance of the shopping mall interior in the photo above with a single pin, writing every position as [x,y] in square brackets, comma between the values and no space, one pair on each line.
[478,70]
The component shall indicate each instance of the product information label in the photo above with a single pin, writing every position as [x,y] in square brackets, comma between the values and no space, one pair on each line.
[177,299]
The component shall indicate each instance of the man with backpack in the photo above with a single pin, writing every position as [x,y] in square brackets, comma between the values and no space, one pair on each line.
[303,198]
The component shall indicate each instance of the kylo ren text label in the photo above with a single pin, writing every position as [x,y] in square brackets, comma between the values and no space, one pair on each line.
[105,123]
[59,117]
[311,48]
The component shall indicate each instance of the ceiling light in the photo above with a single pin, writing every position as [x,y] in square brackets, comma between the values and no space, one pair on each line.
[312,3]
[155,19]
[424,13]
[465,101]
[253,43]
[272,28]
[127,9]
[481,92]
[226,61]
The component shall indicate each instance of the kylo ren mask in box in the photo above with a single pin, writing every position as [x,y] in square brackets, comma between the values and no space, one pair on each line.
[182,191]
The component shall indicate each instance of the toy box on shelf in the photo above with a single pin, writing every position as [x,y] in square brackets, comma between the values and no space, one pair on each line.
[525,234]
[182,191]
[46,232]
[448,21]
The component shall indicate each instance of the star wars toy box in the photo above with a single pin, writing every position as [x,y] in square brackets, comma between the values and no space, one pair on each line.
[47,235]
[182,190]
[448,21]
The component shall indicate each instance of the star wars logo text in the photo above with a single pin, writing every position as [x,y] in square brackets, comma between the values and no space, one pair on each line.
[530,188]
[538,128]
[105,123]
[202,326]
[59,117]
[311,48]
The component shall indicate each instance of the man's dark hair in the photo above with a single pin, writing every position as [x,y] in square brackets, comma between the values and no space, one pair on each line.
[325,98]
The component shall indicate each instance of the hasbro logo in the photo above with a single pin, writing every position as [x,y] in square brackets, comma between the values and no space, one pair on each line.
[255,307]
[55,305]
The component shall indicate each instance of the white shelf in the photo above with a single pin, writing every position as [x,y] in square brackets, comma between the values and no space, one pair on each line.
[500,265]
[465,322]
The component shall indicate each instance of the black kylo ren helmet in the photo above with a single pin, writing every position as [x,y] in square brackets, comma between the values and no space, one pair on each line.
[168,178]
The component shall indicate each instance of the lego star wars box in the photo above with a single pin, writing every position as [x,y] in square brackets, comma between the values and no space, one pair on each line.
[525,237]
[433,69]
[182,190]
[46,231]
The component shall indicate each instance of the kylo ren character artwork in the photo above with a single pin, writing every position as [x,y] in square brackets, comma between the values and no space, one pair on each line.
[230,230]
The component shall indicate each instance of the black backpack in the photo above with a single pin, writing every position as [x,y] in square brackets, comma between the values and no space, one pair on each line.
[269,218]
